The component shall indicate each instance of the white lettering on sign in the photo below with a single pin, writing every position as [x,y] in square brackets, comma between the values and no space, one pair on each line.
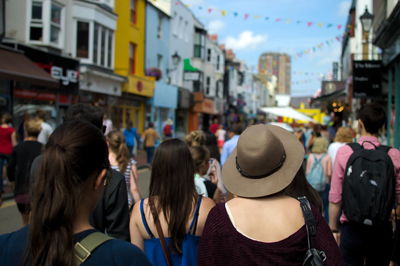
[71,75]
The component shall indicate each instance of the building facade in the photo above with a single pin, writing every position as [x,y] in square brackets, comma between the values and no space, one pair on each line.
[164,103]
[278,65]
[130,62]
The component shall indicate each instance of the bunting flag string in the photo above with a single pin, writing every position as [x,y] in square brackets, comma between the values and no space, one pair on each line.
[247,16]
[307,81]
[317,47]
[304,73]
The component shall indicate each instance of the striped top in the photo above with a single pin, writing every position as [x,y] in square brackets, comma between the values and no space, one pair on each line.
[127,175]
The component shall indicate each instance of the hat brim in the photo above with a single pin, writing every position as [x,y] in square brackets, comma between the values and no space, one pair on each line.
[271,184]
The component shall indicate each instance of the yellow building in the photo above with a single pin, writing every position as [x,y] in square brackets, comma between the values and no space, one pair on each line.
[129,62]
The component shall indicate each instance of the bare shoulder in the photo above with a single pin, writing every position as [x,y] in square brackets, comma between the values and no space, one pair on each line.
[207,204]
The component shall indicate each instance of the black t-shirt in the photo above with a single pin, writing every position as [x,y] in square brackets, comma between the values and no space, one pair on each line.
[19,166]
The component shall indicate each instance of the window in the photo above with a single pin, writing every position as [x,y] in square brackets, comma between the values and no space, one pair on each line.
[175,24]
[82,40]
[218,63]
[208,55]
[132,57]
[159,26]
[159,61]
[110,49]
[103,46]
[133,11]
[36,28]
[95,44]
[180,28]
[198,44]
[55,23]
[208,81]
[186,32]
[217,89]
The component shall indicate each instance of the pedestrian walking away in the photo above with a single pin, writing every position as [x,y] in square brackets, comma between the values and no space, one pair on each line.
[19,167]
[366,185]
[111,214]
[167,225]
[120,161]
[150,136]
[286,227]
[230,145]
[131,138]
[70,181]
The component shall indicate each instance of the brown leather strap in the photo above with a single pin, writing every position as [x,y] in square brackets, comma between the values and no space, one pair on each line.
[160,232]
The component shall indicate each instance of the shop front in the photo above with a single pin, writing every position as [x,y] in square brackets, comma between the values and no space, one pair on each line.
[163,105]
[30,97]
[201,113]
[132,105]
[185,102]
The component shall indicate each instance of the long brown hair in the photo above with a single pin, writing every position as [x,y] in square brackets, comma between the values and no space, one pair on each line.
[116,142]
[172,182]
[76,152]
[300,187]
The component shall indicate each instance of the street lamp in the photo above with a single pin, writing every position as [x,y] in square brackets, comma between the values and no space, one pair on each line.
[366,24]
[176,59]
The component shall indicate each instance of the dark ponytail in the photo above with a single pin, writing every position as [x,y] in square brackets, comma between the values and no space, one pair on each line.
[75,153]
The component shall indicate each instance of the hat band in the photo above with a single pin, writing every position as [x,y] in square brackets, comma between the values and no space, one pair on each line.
[270,172]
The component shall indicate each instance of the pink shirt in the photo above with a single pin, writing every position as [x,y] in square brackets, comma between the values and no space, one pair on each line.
[326,164]
[343,155]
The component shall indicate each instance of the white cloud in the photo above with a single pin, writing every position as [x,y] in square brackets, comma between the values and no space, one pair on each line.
[344,8]
[245,40]
[215,26]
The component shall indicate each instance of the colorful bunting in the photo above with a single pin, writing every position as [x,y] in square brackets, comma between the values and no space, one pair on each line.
[316,47]
[287,21]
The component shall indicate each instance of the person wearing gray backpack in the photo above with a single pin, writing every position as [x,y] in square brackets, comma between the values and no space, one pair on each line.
[366,186]
[319,171]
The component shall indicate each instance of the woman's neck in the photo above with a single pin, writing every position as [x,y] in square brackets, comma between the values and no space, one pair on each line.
[81,222]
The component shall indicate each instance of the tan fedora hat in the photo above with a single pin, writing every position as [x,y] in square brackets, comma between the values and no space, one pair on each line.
[265,161]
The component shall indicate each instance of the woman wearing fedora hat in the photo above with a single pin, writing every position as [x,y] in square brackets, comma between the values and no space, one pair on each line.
[264,223]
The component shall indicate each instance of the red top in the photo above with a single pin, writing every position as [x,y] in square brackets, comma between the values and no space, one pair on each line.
[214,128]
[221,244]
[5,140]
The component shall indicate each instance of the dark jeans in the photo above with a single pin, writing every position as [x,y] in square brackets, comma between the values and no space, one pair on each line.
[3,162]
[325,201]
[150,154]
[366,245]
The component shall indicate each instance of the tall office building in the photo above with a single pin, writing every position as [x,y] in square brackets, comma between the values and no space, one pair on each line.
[279,65]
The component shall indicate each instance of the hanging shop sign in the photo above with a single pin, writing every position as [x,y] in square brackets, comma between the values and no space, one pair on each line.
[367,79]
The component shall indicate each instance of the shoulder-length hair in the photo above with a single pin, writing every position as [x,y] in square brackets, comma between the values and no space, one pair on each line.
[172,183]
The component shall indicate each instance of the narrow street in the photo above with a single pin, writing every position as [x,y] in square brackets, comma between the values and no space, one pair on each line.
[10,219]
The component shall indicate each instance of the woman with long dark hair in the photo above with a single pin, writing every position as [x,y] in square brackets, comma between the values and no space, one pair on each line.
[70,181]
[275,217]
[168,225]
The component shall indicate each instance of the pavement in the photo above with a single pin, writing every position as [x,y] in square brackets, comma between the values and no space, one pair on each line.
[10,219]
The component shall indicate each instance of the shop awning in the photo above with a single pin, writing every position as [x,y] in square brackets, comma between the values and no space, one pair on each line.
[16,66]
[287,112]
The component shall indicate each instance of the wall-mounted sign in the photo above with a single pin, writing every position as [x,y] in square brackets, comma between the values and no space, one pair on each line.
[367,79]
[191,76]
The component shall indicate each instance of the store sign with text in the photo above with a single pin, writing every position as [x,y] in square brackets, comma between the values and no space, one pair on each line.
[367,79]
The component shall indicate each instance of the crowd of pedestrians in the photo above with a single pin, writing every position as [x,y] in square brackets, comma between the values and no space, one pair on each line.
[233,195]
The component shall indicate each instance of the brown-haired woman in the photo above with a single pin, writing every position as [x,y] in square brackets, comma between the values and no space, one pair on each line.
[120,161]
[173,202]
[70,181]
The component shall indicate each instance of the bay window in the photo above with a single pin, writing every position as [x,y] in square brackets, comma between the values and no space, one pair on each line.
[96,48]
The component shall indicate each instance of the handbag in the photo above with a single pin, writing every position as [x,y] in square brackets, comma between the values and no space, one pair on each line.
[313,256]
[160,232]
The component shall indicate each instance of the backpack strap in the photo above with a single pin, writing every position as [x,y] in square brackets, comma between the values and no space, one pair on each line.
[384,148]
[309,221]
[84,248]
[355,146]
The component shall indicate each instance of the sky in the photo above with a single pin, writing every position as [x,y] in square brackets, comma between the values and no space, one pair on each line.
[252,27]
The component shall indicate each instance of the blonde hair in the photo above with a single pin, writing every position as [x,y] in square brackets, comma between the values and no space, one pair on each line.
[344,135]
[116,143]
[33,127]
[195,138]
[320,145]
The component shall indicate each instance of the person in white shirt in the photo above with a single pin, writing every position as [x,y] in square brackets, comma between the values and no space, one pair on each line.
[46,128]
[343,136]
